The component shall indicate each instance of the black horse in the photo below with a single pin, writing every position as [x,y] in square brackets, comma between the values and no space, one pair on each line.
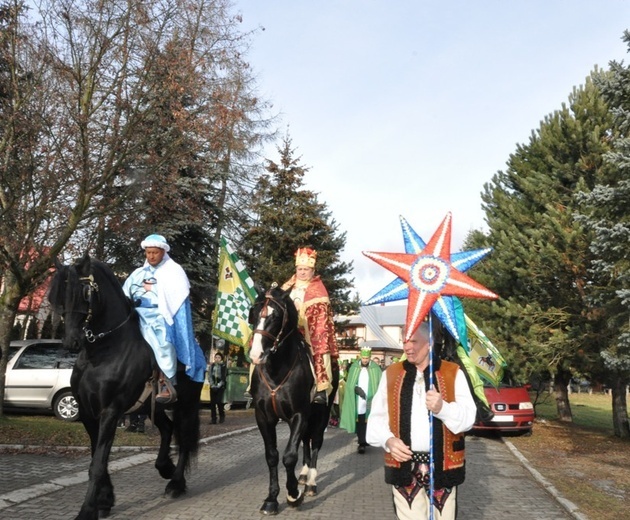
[110,376]
[282,386]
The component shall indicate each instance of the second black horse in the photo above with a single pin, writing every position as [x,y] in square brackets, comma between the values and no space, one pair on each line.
[282,387]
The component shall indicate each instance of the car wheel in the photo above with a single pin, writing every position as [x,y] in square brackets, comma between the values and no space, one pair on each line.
[227,406]
[66,407]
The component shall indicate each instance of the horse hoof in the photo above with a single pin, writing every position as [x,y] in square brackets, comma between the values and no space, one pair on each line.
[174,491]
[295,502]
[269,508]
[310,491]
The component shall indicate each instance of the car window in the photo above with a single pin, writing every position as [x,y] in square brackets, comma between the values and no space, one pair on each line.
[12,352]
[38,356]
[66,358]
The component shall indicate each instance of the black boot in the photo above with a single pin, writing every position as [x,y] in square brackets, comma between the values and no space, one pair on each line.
[320,397]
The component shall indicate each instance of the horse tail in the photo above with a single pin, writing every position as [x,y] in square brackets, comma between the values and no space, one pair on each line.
[187,426]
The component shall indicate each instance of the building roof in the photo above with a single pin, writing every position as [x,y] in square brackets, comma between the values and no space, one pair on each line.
[375,317]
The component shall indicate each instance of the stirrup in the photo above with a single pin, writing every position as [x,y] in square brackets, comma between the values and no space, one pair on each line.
[168,394]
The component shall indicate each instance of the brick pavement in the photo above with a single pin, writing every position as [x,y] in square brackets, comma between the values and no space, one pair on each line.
[229,482]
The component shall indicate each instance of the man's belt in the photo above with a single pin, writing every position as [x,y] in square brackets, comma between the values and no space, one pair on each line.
[422,457]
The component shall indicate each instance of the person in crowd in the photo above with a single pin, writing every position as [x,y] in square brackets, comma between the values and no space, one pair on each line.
[335,411]
[160,292]
[400,424]
[364,376]
[217,376]
[136,422]
[315,319]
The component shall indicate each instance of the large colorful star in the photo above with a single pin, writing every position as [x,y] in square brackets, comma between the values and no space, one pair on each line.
[448,309]
[428,276]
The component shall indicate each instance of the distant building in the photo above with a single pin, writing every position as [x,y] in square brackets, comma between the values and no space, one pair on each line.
[376,326]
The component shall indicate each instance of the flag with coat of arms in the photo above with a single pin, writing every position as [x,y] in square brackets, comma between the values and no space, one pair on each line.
[235,296]
[487,359]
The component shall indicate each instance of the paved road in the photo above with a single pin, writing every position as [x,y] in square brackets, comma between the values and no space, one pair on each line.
[229,482]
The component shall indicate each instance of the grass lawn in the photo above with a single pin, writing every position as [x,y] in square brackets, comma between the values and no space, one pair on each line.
[589,410]
[46,430]
[584,461]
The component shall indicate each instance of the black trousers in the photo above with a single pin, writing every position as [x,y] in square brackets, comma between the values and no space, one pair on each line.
[361,430]
[216,404]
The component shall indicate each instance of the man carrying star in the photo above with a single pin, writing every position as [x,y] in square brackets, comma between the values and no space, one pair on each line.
[399,423]
[423,406]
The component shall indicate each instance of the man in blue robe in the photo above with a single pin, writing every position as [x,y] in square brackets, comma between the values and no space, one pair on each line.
[160,291]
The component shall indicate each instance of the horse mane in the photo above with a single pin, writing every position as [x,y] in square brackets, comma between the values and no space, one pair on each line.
[285,296]
[57,289]
[106,272]
[85,265]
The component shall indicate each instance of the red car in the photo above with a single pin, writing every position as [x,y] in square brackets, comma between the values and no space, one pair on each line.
[512,407]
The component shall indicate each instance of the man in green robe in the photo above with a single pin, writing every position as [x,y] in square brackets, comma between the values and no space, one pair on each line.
[363,378]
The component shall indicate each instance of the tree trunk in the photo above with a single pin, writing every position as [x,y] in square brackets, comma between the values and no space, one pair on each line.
[9,301]
[621,426]
[561,382]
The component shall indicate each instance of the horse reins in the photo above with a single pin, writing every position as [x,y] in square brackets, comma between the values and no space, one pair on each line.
[92,286]
[276,343]
[279,385]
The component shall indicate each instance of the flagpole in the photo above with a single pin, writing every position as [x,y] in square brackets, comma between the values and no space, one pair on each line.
[431,462]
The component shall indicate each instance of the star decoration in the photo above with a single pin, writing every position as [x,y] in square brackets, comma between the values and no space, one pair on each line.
[447,308]
[429,277]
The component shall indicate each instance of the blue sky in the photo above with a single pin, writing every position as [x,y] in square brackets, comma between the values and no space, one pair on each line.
[403,107]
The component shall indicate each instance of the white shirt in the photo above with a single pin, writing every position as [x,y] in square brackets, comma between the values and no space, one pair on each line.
[364,383]
[458,416]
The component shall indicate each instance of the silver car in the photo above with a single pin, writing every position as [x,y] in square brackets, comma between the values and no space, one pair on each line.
[38,376]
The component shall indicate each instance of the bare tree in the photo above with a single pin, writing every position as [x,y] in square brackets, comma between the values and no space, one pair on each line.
[96,99]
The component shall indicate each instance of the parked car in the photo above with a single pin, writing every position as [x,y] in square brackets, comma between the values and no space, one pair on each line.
[512,407]
[38,376]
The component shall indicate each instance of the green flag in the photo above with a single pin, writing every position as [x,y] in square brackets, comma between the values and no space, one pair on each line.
[487,359]
[235,296]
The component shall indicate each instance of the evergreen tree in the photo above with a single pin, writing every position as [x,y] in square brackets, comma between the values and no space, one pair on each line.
[606,213]
[541,255]
[288,216]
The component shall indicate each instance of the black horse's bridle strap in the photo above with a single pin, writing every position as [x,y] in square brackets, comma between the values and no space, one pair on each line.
[274,391]
[92,286]
[277,341]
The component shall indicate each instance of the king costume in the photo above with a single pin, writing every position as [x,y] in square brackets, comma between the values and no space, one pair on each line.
[315,319]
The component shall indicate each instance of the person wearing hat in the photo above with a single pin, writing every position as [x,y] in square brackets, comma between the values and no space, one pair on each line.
[400,424]
[315,319]
[364,376]
[160,292]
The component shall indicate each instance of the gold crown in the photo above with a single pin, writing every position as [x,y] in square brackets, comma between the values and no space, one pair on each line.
[305,256]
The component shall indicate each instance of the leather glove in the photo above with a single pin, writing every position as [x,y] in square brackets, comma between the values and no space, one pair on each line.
[360,392]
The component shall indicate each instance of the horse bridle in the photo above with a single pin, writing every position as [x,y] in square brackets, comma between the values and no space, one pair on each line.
[277,341]
[90,286]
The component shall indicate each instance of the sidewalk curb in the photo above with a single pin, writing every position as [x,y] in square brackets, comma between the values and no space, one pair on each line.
[144,454]
[570,507]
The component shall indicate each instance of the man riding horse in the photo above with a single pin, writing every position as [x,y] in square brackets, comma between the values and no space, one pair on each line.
[314,319]
[160,291]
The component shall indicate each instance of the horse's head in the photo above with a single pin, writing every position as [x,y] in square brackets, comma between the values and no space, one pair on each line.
[274,318]
[76,295]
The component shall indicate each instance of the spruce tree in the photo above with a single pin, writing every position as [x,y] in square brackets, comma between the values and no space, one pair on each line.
[606,213]
[541,255]
[288,216]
